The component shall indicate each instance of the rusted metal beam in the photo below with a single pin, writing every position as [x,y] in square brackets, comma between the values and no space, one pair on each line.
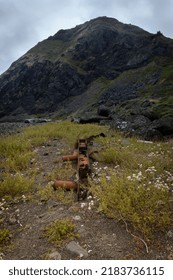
[69,157]
[69,185]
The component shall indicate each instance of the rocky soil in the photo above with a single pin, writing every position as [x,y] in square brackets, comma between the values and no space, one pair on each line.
[9,128]
[99,237]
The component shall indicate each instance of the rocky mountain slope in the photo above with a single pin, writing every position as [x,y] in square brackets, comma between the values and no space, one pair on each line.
[102,70]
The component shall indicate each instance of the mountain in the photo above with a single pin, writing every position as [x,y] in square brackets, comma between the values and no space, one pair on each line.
[102,70]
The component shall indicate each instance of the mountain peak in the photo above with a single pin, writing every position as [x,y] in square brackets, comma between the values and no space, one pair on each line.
[103,24]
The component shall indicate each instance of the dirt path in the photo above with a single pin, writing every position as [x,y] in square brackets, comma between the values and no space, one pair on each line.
[99,237]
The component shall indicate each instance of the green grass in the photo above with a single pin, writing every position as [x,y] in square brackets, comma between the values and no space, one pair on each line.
[15,153]
[65,130]
[15,185]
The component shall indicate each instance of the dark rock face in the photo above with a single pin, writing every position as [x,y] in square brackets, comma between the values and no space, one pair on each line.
[104,67]
[38,88]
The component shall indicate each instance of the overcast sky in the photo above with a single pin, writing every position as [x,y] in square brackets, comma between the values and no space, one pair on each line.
[23,23]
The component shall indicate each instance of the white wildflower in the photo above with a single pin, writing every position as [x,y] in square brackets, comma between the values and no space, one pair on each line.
[82,205]
[92,202]
[151,169]
[89,207]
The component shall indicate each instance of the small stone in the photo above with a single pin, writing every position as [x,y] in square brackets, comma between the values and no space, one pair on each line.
[32,160]
[125,142]
[76,250]
[169,234]
[51,203]
[82,232]
[54,256]
[76,218]
[12,221]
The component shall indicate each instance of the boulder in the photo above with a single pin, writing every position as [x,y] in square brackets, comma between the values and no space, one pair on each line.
[164,125]
[104,111]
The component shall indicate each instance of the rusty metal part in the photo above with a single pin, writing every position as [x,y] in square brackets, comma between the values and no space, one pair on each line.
[65,184]
[69,157]
[74,156]
[83,158]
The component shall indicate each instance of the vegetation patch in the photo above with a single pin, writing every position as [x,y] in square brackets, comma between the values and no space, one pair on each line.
[60,231]
[15,184]
[59,195]
[145,206]
[4,237]
[136,184]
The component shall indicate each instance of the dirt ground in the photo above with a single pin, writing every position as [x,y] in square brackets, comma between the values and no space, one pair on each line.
[100,237]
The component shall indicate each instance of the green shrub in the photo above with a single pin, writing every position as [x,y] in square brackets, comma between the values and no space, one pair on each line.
[145,207]
[59,231]
[59,195]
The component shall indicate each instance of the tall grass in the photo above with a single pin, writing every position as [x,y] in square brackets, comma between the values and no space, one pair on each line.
[65,130]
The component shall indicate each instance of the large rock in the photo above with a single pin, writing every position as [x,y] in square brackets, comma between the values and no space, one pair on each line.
[104,111]
[164,125]
[138,125]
